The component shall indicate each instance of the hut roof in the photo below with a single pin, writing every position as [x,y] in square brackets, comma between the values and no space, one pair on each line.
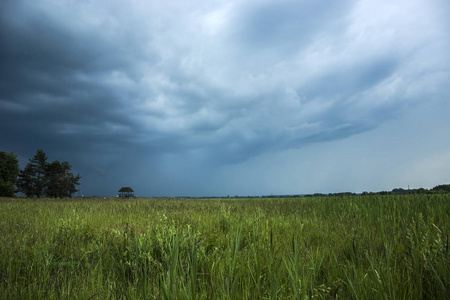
[126,190]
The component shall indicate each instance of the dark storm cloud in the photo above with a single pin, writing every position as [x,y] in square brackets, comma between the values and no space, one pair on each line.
[51,77]
[287,25]
[349,81]
[60,91]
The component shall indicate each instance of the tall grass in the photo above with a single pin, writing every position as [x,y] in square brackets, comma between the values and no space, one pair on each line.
[365,247]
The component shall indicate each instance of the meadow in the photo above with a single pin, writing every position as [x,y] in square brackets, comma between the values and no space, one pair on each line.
[351,247]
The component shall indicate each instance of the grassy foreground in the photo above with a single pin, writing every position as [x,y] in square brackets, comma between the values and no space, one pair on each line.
[365,247]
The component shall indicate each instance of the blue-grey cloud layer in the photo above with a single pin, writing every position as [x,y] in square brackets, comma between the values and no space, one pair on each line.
[120,88]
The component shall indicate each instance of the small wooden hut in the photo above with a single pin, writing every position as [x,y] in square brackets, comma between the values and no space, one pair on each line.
[126,192]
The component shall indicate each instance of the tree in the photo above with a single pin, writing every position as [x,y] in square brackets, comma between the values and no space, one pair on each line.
[41,178]
[32,180]
[9,169]
[443,188]
[39,163]
[60,181]
[26,181]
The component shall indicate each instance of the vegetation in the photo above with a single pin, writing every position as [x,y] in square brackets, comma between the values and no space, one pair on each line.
[439,189]
[358,247]
[9,169]
[51,179]
[60,181]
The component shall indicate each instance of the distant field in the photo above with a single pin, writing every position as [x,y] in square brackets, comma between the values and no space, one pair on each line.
[361,247]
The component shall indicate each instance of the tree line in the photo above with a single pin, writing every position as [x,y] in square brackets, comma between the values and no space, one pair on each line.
[39,178]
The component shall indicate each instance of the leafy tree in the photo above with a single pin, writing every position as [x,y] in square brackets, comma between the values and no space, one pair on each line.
[40,178]
[39,163]
[26,182]
[60,181]
[443,188]
[32,180]
[9,169]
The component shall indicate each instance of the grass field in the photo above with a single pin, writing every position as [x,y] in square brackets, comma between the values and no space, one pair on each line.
[361,247]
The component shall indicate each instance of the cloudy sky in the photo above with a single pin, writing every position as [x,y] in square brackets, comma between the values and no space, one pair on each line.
[232,97]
